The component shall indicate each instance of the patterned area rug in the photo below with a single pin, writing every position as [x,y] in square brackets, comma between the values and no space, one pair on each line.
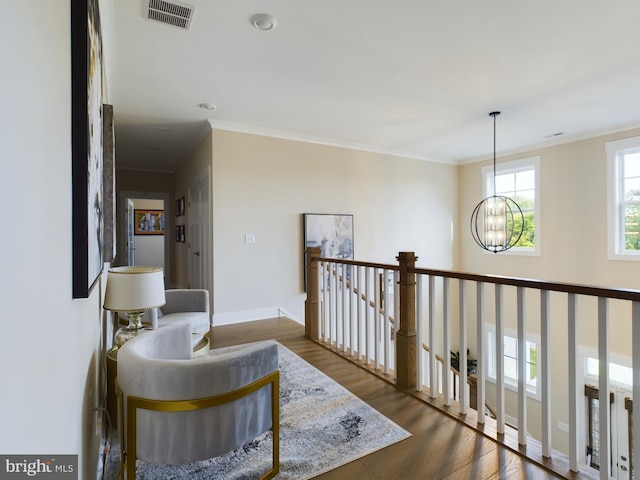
[322,426]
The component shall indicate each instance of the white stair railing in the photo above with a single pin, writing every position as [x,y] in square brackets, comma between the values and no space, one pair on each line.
[359,315]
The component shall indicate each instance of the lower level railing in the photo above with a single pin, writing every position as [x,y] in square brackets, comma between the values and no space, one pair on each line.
[402,321]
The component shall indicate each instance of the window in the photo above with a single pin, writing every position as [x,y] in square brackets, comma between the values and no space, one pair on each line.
[511,361]
[620,375]
[519,180]
[623,158]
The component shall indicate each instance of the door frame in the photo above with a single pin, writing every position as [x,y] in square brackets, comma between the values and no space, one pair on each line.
[204,174]
[620,442]
[122,215]
[130,237]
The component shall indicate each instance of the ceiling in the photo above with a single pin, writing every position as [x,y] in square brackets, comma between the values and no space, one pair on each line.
[416,78]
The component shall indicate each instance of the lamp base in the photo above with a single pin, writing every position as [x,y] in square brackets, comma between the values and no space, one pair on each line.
[135,327]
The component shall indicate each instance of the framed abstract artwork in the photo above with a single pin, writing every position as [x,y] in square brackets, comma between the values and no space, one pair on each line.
[332,233]
[149,222]
[86,146]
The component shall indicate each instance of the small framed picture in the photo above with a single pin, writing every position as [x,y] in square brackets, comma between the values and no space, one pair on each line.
[180,237]
[149,222]
[180,207]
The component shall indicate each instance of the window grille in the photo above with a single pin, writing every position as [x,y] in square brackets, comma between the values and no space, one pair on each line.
[593,444]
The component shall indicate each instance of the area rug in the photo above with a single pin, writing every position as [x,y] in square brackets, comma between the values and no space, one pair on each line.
[322,426]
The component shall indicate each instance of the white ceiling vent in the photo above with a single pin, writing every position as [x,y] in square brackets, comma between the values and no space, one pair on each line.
[171,13]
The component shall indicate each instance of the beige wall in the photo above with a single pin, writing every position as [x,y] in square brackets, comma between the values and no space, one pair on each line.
[198,162]
[574,218]
[573,181]
[263,186]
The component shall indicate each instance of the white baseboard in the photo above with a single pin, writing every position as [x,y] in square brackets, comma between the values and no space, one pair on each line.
[250,316]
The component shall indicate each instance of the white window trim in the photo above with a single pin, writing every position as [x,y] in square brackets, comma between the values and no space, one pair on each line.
[614,228]
[508,383]
[516,166]
[615,359]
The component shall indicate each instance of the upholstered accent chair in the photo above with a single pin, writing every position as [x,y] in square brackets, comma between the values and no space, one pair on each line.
[182,304]
[175,409]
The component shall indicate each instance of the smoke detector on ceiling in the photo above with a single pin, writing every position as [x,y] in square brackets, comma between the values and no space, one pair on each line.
[172,13]
[264,21]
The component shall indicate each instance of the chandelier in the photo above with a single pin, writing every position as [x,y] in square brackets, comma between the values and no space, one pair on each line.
[497,221]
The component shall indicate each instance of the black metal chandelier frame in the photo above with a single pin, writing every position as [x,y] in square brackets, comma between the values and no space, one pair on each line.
[496,211]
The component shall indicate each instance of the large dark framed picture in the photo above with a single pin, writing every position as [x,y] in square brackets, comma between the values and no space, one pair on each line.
[109,185]
[86,151]
[332,233]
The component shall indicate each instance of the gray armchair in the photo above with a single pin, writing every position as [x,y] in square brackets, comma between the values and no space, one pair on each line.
[183,304]
[176,409]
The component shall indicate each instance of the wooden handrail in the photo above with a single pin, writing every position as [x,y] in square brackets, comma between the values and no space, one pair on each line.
[578,289]
[616,293]
[440,359]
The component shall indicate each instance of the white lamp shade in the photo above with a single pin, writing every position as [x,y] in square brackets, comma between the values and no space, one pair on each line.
[132,289]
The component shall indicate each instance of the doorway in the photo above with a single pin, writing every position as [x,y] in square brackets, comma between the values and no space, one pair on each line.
[138,248]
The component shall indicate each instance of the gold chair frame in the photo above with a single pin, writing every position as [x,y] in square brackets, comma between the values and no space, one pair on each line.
[135,403]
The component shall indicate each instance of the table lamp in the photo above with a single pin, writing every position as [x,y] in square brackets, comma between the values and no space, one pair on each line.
[133,290]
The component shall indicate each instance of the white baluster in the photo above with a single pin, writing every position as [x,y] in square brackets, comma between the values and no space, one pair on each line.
[386,321]
[573,382]
[345,302]
[446,384]
[635,321]
[367,324]
[376,316]
[522,372]
[544,373]
[604,409]
[433,379]
[480,371]
[396,316]
[464,400]
[359,304]
[419,329]
[499,340]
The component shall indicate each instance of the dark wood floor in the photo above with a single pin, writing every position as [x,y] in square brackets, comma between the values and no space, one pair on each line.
[439,448]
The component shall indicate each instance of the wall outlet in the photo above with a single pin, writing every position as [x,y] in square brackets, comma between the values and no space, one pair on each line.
[250,238]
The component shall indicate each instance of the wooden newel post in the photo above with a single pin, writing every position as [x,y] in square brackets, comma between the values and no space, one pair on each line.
[406,335]
[311,303]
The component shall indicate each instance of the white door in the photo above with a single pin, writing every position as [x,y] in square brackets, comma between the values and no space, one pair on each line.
[620,440]
[131,238]
[198,234]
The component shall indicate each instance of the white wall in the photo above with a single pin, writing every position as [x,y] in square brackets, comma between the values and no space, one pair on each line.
[49,343]
[263,186]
